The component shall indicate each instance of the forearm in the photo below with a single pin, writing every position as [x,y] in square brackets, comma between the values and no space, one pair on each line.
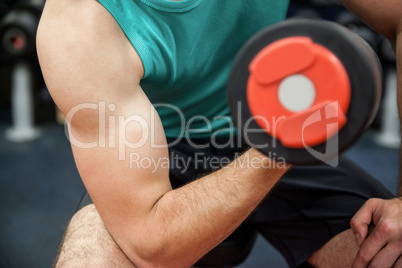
[155,225]
[188,222]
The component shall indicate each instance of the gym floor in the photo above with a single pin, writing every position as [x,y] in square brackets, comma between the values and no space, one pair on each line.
[40,188]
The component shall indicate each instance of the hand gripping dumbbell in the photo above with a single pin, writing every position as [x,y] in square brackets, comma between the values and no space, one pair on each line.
[304,90]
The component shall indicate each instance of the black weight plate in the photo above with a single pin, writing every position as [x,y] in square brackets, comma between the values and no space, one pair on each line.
[359,61]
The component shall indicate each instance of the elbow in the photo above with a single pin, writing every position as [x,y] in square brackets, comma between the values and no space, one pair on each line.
[146,256]
[153,253]
[156,259]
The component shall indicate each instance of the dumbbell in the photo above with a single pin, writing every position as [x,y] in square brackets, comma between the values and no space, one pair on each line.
[17,41]
[304,90]
[18,28]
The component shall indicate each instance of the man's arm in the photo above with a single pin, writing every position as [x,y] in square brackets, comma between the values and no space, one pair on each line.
[383,247]
[88,63]
[385,17]
[382,16]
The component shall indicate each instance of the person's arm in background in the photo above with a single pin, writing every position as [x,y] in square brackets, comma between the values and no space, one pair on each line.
[383,247]
[86,59]
[385,17]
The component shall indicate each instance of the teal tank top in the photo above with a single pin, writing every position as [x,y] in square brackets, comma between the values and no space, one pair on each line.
[187,49]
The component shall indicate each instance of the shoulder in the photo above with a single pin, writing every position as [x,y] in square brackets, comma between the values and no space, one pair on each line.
[82,49]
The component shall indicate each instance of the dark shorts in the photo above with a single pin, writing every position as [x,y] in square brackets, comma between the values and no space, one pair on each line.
[306,208]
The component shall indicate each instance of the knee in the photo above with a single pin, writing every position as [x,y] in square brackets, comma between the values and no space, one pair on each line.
[87,217]
[87,243]
[340,252]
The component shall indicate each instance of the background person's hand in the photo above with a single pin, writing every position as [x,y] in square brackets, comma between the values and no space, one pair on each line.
[383,247]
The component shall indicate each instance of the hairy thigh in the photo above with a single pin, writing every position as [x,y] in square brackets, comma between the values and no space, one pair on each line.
[87,243]
[339,252]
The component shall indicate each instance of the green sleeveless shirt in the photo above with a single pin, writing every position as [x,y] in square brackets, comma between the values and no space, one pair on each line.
[187,49]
